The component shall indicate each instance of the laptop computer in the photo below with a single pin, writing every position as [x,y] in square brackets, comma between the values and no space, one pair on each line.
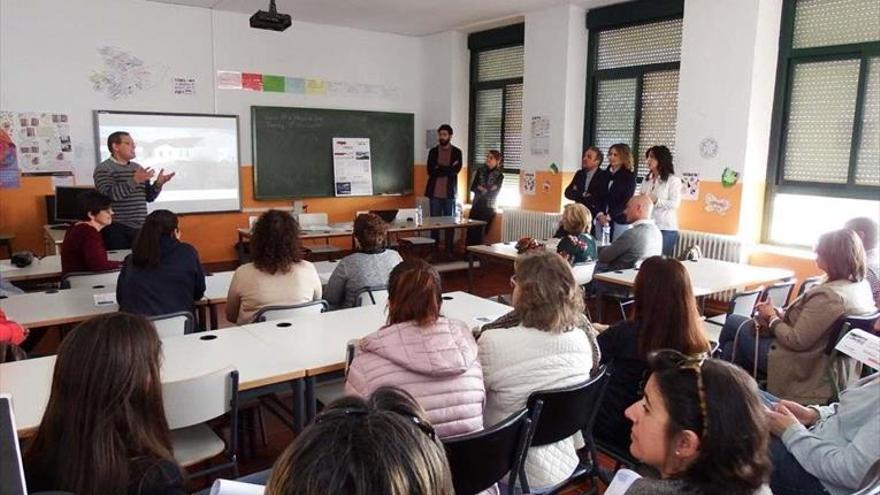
[11,468]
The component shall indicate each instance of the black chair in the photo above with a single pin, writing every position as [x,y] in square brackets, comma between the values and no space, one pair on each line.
[479,460]
[838,330]
[779,293]
[559,414]
[808,284]
[742,303]
[621,458]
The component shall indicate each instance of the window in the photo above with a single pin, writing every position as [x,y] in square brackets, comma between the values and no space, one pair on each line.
[826,123]
[632,79]
[496,104]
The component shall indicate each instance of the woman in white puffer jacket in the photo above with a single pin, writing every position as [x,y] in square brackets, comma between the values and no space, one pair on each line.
[548,344]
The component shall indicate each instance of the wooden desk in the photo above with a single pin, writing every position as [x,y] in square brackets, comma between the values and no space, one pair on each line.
[264,354]
[258,365]
[709,276]
[46,268]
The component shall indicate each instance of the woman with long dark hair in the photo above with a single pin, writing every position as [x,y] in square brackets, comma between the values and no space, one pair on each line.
[665,316]
[161,275]
[278,274]
[701,425]
[104,429]
[664,189]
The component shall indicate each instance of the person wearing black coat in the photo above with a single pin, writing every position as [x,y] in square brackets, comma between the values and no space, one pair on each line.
[621,187]
[589,186]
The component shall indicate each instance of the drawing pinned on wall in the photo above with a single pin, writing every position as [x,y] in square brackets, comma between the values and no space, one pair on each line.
[529,182]
[123,74]
[10,175]
[273,84]
[729,177]
[713,204]
[545,186]
[266,83]
[690,186]
[316,87]
[295,85]
[554,169]
[42,141]
[708,148]
[184,86]
[540,136]
[251,81]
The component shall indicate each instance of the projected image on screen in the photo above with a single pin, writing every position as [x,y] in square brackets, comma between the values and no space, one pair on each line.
[201,150]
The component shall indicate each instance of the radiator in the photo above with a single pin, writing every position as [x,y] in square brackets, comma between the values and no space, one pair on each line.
[713,246]
[517,224]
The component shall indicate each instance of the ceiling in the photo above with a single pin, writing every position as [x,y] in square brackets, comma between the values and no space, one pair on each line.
[407,17]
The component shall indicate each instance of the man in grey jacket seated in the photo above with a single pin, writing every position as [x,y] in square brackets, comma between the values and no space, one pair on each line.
[641,241]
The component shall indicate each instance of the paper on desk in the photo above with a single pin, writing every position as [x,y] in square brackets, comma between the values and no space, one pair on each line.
[861,346]
[228,487]
[8,268]
[105,299]
[621,482]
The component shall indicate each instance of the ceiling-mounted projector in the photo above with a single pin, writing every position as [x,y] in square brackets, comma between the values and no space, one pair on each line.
[271,20]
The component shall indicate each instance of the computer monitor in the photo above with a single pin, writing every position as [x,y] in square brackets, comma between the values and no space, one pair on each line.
[67,205]
[11,469]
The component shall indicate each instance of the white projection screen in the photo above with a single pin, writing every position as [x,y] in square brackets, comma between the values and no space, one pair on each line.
[202,151]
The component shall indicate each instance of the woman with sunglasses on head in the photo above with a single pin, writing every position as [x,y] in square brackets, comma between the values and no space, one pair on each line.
[383,445]
[432,357]
[545,343]
[701,425]
[665,316]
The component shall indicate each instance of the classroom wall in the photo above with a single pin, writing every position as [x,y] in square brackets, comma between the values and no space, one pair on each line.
[176,41]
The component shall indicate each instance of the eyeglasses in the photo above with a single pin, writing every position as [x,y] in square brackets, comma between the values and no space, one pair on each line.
[426,428]
[513,280]
[670,359]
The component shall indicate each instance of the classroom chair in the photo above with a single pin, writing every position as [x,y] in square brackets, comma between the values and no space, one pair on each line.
[560,413]
[480,459]
[377,294]
[808,284]
[838,361]
[173,324]
[780,292]
[95,280]
[742,303]
[316,221]
[189,405]
[281,312]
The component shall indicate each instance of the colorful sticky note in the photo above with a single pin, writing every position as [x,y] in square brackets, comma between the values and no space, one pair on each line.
[295,85]
[227,79]
[273,84]
[316,87]
[253,82]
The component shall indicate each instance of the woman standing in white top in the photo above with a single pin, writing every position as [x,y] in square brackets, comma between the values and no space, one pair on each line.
[664,188]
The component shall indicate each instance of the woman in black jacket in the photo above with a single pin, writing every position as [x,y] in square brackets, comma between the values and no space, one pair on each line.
[621,187]
[161,275]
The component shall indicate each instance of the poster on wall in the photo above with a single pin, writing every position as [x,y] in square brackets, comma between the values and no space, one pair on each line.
[10,175]
[529,183]
[540,137]
[42,141]
[352,169]
[690,186]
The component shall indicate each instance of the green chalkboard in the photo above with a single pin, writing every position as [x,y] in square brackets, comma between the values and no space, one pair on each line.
[293,150]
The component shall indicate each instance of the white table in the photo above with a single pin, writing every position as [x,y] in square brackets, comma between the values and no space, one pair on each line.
[709,276]
[264,354]
[56,307]
[46,268]
[506,251]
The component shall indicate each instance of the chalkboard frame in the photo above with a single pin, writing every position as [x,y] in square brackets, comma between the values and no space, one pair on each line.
[262,195]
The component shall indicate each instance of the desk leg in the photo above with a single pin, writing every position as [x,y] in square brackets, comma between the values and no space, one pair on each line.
[311,400]
[212,310]
[299,409]
[202,317]
[470,275]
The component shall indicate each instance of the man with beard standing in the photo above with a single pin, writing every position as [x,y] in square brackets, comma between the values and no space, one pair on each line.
[444,164]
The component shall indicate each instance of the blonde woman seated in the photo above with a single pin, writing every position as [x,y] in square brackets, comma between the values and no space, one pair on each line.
[278,274]
[545,343]
[575,244]
[432,357]
[369,266]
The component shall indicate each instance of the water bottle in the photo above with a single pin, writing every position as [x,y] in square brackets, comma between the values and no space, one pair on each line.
[606,234]
[458,209]
[419,215]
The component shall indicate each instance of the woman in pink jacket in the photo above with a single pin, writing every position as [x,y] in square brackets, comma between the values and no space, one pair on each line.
[428,355]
